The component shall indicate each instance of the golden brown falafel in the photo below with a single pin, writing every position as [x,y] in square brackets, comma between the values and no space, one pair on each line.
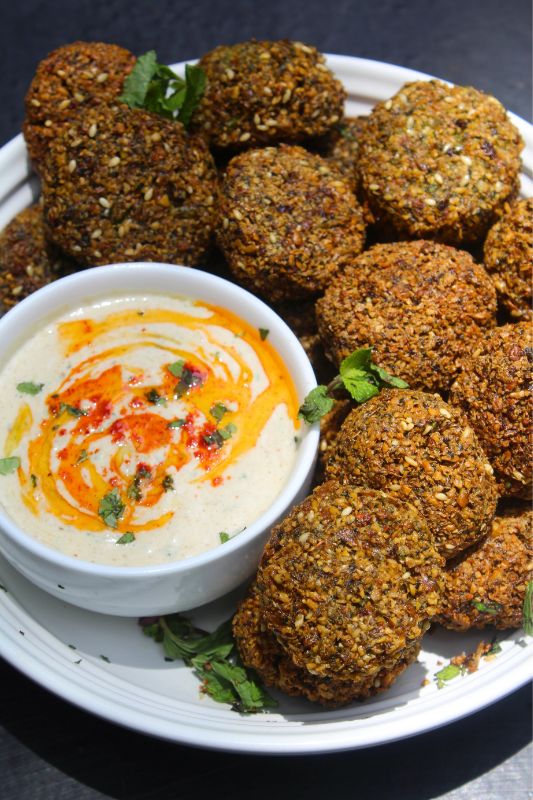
[67,82]
[125,185]
[487,584]
[28,260]
[493,389]
[415,446]
[288,221]
[420,305]
[348,583]
[439,162]
[508,258]
[261,93]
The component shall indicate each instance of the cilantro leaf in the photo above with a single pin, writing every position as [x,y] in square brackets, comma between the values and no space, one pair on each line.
[447,673]
[527,610]
[217,411]
[176,368]
[263,333]
[487,607]
[8,465]
[74,411]
[111,508]
[157,88]
[126,538]
[224,537]
[168,483]
[227,431]
[155,398]
[83,456]
[28,387]
[316,404]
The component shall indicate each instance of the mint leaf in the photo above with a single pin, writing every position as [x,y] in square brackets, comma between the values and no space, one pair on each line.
[224,537]
[111,508]
[138,81]
[195,82]
[126,538]
[217,411]
[527,610]
[176,368]
[363,379]
[8,465]
[28,387]
[446,674]
[316,404]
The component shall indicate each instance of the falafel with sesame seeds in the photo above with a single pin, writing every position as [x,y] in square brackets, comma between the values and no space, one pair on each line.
[493,390]
[261,93]
[67,82]
[416,447]
[508,258]
[260,650]
[486,586]
[348,583]
[287,222]
[341,147]
[125,185]
[28,261]
[420,305]
[439,162]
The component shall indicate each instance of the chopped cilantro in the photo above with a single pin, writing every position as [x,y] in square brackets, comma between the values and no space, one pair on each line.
[176,368]
[228,430]
[189,378]
[487,607]
[168,483]
[33,479]
[83,456]
[224,537]
[217,411]
[155,398]
[126,538]
[176,423]
[74,411]
[28,387]
[263,333]
[8,465]
[111,508]
[447,673]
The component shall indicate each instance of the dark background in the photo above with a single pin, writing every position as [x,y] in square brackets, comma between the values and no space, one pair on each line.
[52,751]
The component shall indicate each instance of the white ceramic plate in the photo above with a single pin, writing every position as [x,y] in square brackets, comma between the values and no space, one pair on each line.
[135,687]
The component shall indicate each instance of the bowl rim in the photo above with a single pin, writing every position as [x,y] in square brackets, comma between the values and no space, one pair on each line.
[307,450]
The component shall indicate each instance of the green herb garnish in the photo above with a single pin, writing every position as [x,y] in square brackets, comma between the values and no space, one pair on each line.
[74,411]
[83,456]
[187,381]
[527,610]
[155,398]
[33,479]
[224,537]
[8,465]
[358,376]
[263,333]
[447,673]
[217,411]
[176,368]
[28,387]
[134,489]
[214,659]
[126,538]
[487,607]
[157,88]
[168,483]
[218,437]
[176,423]
[111,508]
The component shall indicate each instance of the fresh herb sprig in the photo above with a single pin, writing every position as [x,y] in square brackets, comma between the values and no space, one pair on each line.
[157,88]
[527,610]
[214,659]
[111,508]
[358,376]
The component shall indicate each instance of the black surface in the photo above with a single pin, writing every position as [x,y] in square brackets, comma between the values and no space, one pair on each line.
[52,751]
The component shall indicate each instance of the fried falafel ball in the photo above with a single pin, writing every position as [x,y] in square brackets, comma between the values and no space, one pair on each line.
[125,185]
[28,260]
[416,447]
[486,586]
[288,221]
[300,317]
[420,305]
[508,258]
[262,93]
[439,162]
[341,147]
[67,82]
[493,390]
[348,583]
[260,650]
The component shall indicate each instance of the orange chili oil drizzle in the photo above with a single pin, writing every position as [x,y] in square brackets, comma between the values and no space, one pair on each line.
[97,402]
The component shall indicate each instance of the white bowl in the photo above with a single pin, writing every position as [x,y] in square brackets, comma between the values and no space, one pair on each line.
[191,582]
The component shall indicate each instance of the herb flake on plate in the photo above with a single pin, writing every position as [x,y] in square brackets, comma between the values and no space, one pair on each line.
[8,465]
[28,387]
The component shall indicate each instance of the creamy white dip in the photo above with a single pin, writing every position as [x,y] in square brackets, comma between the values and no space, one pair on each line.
[162,423]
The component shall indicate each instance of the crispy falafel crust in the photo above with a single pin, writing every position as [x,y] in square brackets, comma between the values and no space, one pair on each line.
[420,305]
[288,221]
[27,259]
[494,575]
[260,650]
[415,446]
[348,583]
[508,257]
[493,389]
[125,185]
[439,162]
[265,92]
[67,82]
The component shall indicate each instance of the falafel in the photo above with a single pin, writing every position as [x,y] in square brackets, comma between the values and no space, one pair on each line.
[28,261]
[341,147]
[348,583]
[121,184]
[486,586]
[493,390]
[261,93]
[416,447]
[67,82]
[288,222]
[420,305]
[508,258]
[439,162]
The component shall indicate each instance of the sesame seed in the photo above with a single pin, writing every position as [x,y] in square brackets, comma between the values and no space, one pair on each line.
[48,123]
[244,137]
[311,516]
[466,160]
[346,511]
[445,413]
[374,187]
[102,77]
[35,103]
[517,475]
[430,201]
[411,461]
[395,487]
[225,223]
[237,214]
[465,179]
[438,177]
[498,186]
[149,193]
[488,469]
[113,162]
[104,202]
[64,104]
[121,230]
[71,165]
[155,137]
[441,496]
[299,621]
[265,56]
[92,130]
[76,248]
[304,537]
[96,234]
[388,105]
[230,74]
[286,96]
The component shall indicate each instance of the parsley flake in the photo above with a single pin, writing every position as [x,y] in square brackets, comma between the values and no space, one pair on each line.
[126,538]
[224,537]
[28,387]
[168,483]
[8,465]
[155,398]
[217,411]
[263,333]
[111,508]
[83,456]
[176,368]
[74,411]
[176,423]
[487,607]
[447,673]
